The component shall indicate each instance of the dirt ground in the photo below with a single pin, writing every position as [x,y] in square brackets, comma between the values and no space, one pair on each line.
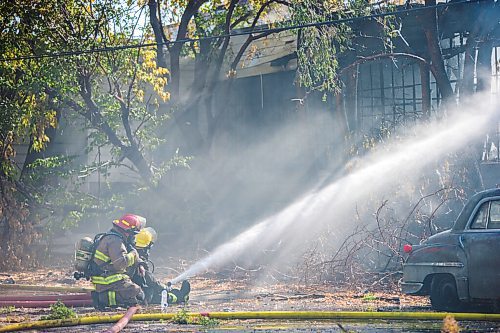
[244,294]
[216,294]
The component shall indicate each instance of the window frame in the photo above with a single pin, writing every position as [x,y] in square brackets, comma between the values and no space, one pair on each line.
[486,217]
[472,217]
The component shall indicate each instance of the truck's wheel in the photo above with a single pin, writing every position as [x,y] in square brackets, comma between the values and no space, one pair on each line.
[444,294]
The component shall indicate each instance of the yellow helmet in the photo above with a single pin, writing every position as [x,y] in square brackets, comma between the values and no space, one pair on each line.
[146,237]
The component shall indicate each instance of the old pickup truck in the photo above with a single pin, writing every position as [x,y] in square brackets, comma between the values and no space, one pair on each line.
[460,265]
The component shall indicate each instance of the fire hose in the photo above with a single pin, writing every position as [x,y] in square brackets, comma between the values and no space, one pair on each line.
[29,287]
[123,320]
[45,297]
[283,315]
[41,301]
[46,304]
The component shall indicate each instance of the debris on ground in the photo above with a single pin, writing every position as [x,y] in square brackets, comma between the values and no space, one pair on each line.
[210,294]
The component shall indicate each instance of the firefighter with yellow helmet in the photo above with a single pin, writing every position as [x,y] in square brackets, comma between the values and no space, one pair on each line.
[145,238]
[153,288]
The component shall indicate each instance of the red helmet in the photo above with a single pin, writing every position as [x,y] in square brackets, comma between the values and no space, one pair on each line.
[130,222]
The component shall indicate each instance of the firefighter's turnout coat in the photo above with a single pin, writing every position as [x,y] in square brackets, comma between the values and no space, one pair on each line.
[114,265]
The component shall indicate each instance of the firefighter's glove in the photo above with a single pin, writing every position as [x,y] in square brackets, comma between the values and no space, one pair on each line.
[141,269]
[136,255]
[132,257]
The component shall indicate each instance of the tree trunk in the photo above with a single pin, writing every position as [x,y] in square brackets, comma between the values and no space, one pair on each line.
[429,24]
[133,154]
[160,37]
[175,74]
[425,79]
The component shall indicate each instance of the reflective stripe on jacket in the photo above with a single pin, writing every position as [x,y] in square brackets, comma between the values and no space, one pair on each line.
[108,279]
[112,257]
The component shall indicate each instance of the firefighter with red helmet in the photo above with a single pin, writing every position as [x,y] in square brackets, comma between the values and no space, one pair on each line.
[115,261]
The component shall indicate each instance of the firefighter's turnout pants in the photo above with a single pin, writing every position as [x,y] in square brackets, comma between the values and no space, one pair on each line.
[122,292]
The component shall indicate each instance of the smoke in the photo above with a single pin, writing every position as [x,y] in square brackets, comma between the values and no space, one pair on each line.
[250,174]
[332,205]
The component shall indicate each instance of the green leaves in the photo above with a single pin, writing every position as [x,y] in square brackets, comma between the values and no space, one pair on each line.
[320,47]
[59,311]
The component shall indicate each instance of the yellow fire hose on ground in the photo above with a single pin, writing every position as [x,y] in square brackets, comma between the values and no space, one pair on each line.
[283,315]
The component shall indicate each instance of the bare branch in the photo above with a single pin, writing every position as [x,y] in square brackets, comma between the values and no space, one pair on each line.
[240,19]
[245,45]
[251,37]
[125,114]
[227,27]
[362,60]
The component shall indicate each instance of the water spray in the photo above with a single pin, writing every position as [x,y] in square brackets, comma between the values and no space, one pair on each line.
[377,171]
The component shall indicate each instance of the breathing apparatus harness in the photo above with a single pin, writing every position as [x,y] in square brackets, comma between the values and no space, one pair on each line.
[85,254]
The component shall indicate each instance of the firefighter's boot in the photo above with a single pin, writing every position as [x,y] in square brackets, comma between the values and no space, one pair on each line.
[176,296]
[184,291]
[95,301]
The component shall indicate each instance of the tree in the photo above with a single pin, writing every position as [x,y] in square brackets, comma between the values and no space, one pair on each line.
[114,94]
[320,48]
[24,112]
[108,89]
[198,19]
[430,27]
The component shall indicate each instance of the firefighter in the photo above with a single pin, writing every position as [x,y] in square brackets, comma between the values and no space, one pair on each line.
[153,288]
[115,261]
